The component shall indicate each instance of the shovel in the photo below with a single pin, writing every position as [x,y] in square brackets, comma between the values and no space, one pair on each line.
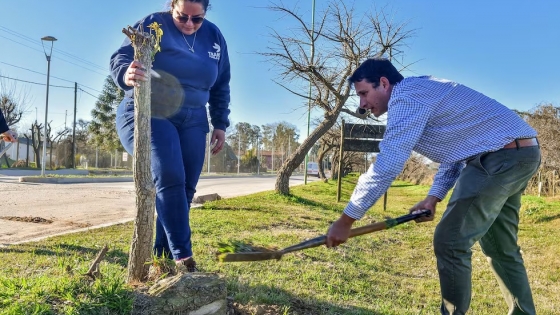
[320,240]
[5,149]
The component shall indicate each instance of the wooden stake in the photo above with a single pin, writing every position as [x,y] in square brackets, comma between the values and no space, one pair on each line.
[141,247]
[341,152]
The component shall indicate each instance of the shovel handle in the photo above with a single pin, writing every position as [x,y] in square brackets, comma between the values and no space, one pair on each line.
[387,224]
[378,226]
[5,148]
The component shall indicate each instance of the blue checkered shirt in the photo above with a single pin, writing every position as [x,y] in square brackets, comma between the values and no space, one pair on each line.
[444,121]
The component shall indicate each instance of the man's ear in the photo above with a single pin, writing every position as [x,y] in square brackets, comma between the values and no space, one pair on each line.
[384,82]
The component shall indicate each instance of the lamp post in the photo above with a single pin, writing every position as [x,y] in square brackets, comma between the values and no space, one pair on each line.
[309,101]
[43,40]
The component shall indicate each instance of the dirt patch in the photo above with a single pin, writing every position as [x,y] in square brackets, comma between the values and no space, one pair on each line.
[28,219]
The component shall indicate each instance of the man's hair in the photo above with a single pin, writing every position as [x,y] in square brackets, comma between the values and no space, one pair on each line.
[373,69]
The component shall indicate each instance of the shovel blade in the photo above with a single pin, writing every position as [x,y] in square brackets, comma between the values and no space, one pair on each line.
[252,256]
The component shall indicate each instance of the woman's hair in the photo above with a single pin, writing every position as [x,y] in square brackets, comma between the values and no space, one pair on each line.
[373,69]
[205,3]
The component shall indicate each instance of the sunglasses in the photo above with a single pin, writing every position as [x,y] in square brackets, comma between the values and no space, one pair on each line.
[186,18]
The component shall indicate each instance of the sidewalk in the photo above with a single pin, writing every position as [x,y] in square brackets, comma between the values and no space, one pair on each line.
[74,176]
[18,172]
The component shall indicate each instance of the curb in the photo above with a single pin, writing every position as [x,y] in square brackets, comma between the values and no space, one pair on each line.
[73,180]
[108,179]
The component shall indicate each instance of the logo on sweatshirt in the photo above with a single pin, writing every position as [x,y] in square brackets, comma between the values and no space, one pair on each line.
[216,54]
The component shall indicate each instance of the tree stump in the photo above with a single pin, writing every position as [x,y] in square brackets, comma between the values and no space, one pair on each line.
[184,294]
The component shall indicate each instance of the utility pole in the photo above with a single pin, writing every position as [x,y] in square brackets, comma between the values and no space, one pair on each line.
[74,128]
[258,162]
[238,150]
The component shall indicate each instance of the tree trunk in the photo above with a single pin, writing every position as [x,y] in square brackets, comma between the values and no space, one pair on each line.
[50,156]
[141,247]
[320,159]
[282,185]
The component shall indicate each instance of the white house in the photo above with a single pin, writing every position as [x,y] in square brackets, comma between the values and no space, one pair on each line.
[18,150]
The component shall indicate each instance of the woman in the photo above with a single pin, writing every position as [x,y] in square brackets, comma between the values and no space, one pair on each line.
[191,69]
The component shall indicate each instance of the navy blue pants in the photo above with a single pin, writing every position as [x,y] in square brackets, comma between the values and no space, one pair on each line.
[178,148]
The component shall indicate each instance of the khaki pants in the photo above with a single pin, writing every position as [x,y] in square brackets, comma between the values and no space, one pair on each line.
[484,207]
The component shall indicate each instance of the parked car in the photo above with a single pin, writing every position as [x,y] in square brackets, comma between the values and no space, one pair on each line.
[313,169]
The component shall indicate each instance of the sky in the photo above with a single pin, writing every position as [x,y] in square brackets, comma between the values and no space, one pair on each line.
[506,49]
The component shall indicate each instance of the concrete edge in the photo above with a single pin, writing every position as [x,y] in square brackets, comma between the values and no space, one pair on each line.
[108,179]
[73,180]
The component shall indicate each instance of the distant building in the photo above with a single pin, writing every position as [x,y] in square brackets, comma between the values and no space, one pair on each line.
[21,149]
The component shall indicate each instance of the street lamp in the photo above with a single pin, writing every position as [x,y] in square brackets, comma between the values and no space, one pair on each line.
[309,100]
[43,40]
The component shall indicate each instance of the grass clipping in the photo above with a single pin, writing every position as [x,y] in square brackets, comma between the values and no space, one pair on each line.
[235,247]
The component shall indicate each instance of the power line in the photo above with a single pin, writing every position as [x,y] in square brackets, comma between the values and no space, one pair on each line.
[34,41]
[21,44]
[63,53]
[45,75]
[87,87]
[88,93]
[50,85]
[52,76]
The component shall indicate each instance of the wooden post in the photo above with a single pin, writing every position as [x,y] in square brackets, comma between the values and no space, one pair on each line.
[385,202]
[539,186]
[553,182]
[141,246]
[339,182]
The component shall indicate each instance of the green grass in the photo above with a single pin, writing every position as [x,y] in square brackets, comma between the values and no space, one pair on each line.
[387,272]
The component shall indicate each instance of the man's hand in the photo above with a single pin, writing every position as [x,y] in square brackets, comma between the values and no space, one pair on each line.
[9,136]
[339,231]
[218,140]
[429,203]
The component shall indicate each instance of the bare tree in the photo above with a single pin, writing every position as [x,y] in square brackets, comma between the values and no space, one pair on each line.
[417,171]
[13,102]
[36,141]
[545,118]
[342,41]
[55,139]
[329,141]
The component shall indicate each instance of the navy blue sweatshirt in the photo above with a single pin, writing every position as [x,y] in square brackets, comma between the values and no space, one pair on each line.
[203,75]
[3,124]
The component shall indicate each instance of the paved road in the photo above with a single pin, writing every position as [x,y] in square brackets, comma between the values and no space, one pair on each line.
[75,207]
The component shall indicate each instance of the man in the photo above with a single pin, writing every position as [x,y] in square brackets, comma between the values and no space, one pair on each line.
[5,133]
[486,150]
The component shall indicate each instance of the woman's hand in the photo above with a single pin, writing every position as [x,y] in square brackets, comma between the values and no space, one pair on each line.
[218,139]
[135,72]
[9,136]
